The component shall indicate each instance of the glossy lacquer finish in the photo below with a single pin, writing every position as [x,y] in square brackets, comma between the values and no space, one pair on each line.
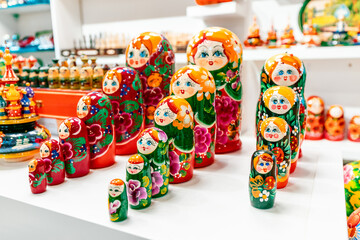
[118,200]
[37,175]
[51,150]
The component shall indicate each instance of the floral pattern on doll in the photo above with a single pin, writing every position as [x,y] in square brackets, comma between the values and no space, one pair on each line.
[136,193]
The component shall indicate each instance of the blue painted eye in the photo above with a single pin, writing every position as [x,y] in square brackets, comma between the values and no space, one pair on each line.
[204,55]
[143,54]
[217,54]
[140,141]
[148,143]
[281,72]
[274,130]
[84,108]
[66,130]
[113,83]
[157,113]
[178,83]
[105,83]
[289,71]
[282,101]
[166,114]
[131,54]
[268,130]
[267,164]
[261,164]
[188,84]
[275,101]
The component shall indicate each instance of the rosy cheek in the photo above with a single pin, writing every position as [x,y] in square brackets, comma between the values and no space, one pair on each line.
[131,61]
[258,169]
[142,61]
[190,90]
[113,89]
[285,107]
[276,135]
[273,107]
[293,78]
[266,135]
[268,168]
[202,62]
[277,78]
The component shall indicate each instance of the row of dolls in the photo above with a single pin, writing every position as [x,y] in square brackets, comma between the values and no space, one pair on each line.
[331,126]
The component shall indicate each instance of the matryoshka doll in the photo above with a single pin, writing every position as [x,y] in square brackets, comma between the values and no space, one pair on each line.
[37,174]
[64,77]
[283,102]
[219,51]
[196,85]
[354,129]
[95,110]
[51,150]
[274,136]
[335,123]
[73,138]
[124,89]
[153,143]
[118,200]
[315,119]
[53,76]
[98,77]
[74,78]
[139,182]
[262,179]
[152,56]
[175,117]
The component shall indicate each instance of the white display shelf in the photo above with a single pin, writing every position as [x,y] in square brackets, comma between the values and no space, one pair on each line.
[223,10]
[26,9]
[213,205]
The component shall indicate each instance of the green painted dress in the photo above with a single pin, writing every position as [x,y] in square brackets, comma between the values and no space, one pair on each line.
[118,201]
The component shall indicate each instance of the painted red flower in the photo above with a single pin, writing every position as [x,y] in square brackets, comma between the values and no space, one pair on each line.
[153,96]
[123,123]
[67,151]
[94,133]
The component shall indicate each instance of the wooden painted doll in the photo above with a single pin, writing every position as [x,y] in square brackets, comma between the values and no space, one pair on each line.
[275,136]
[262,179]
[315,119]
[118,200]
[152,56]
[74,78]
[37,174]
[175,117]
[24,76]
[139,181]
[219,51]
[98,77]
[53,77]
[354,129]
[253,39]
[95,110]
[51,150]
[25,104]
[335,123]
[86,78]
[64,77]
[34,77]
[75,147]
[283,102]
[196,85]
[43,77]
[30,94]
[124,89]
[153,143]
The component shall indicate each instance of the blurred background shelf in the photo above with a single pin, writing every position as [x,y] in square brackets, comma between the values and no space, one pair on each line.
[227,10]
[26,8]
[17,50]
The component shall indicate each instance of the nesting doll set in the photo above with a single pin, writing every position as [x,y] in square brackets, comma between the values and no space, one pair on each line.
[50,150]
[316,118]
[118,201]
[38,169]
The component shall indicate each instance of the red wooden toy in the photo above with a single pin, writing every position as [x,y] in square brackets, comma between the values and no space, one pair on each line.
[37,175]
[51,150]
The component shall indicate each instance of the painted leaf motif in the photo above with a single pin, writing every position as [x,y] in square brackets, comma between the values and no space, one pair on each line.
[235,94]
[182,173]
[143,202]
[257,181]
[70,168]
[186,166]
[145,181]
[163,191]
[40,178]
[163,169]
[130,106]
[255,192]
[264,77]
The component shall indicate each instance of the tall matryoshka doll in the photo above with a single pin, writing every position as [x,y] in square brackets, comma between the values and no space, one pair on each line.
[153,143]
[315,119]
[175,117]
[124,89]
[75,147]
[354,129]
[196,85]
[286,70]
[51,150]
[335,123]
[274,136]
[283,102]
[95,110]
[152,56]
[219,51]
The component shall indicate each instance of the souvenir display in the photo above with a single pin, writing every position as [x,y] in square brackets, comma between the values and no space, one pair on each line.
[75,147]
[220,52]
[271,41]
[51,150]
[139,181]
[287,39]
[335,123]
[152,56]
[354,129]
[74,78]
[352,186]
[197,86]
[43,77]
[253,39]
[53,76]
[98,77]
[311,36]
[175,117]
[24,76]
[353,225]
[86,73]
[153,144]
[34,77]
[274,135]
[118,200]
[95,110]
[125,91]
[316,118]
[64,77]
[262,179]
[37,174]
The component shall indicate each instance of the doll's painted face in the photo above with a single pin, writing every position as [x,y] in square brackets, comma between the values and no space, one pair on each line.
[134,168]
[85,73]
[64,72]
[98,71]
[53,72]
[357,120]
[110,85]
[285,75]
[164,116]
[185,87]
[336,112]
[315,106]
[63,131]
[74,71]
[146,144]
[32,165]
[263,166]
[210,55]
[44,151]
[82,109]
[138,57]
[279,104]
[115,190]
[272,133]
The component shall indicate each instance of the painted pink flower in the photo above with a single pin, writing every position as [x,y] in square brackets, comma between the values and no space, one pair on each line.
[123,123]
[174,163]
[157,182]
[221,136]
[115,107]
[135,192]
[31,178]
[226,111]
[202,139]
[67,151]
[94,133]
[153,96]
[114,206]
[348,174]
[47,164]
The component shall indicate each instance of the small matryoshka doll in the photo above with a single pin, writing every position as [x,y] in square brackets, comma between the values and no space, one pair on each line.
[335,123]
[175,117]
[197,86]
[315,119]
[219,51]
[283,102]
[153,144]
[274,136]
[139,181]
[124,89]
[95,110]
[34,77]
[43,77]
[262,179]
[37,174]
[64,77]
[118,201]
[253,39]
[86,78]
[30,94]
[53,76]
[74,78]
[73,138]
[51,150]
[354,129]
[98,77]
[152,56]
